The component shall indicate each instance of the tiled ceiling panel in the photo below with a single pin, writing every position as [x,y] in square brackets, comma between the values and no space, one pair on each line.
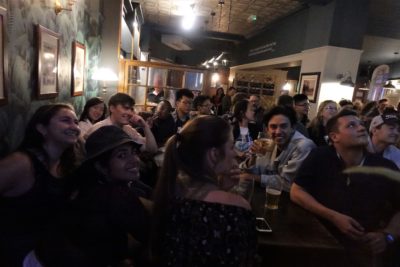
[234,16]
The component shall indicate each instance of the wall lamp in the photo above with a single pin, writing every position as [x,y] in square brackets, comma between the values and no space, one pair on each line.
[345,79]
[389,85]
[104,75]
[58,7]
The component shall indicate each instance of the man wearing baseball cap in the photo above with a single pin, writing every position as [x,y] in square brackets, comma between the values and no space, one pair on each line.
[384,133]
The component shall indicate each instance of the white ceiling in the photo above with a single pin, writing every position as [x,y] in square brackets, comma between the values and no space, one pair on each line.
[233,17]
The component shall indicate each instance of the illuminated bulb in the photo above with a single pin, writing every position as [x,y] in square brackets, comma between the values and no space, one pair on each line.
[215,77]
[188,22]
[287,86]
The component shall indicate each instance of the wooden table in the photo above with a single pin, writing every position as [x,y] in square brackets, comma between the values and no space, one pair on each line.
[297,239]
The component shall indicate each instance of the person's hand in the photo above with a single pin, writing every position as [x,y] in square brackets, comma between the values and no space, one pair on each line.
[348,226]
[149,121]
[256,148]
[238,174]
[138,120]
[375,241]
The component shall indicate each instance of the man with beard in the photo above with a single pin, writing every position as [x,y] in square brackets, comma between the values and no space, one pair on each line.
[353,206]
[287,152]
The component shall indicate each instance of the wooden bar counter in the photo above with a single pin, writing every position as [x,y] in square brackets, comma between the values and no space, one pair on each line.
[297,238]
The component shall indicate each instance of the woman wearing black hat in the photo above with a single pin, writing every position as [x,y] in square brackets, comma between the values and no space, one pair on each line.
[106,215]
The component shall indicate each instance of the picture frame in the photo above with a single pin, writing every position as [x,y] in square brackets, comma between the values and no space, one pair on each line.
[309,85]
[48,47]
[78,68]
[3,63]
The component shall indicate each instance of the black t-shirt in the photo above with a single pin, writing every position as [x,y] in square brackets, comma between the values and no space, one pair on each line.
[370,199]
[151,97]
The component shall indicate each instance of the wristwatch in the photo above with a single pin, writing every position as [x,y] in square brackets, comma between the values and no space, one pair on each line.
[390,239]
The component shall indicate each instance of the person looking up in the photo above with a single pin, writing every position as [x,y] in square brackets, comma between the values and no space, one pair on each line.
[183,105]
[384,132]
[121,113]
[34,183]
[94,111]
[350,205]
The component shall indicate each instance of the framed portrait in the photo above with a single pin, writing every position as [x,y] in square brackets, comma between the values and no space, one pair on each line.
[3,89]
[47,55]
[77,68]
[309,85]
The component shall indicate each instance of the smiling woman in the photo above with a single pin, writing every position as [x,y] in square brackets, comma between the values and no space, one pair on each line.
[33,184]
[106,209]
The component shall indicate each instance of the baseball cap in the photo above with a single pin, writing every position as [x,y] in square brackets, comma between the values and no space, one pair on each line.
[390,118]
[105,139]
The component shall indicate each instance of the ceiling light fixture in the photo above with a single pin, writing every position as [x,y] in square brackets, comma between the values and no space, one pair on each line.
[189,18]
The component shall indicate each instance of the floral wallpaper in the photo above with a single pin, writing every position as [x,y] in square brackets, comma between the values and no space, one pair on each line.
[83,23]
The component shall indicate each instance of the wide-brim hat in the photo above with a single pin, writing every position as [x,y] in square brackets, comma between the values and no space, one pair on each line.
[389,118]
[105,139]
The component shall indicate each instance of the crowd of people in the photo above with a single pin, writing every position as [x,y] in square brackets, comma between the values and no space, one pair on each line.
[77,192]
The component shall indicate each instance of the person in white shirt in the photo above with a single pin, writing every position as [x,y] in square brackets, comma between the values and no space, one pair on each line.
[384,133]
[94,111]
[121,114]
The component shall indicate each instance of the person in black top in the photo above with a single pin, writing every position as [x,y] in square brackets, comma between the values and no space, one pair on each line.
[317,129]
[352,206]
[157,93]
[34,180]
[106,215]
[183,105]
[163,126]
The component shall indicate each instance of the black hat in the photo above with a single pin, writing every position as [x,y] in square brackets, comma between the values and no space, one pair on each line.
[105,139]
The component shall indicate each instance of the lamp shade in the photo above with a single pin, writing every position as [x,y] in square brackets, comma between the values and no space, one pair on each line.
[104,74]
[347,82]
[389,85]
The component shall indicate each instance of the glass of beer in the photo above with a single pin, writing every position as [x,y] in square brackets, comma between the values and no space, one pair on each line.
[273,192]
[264,144]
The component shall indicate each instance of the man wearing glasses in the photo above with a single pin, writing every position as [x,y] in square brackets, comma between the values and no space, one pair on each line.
[302,107]
[183,105]
[202,105]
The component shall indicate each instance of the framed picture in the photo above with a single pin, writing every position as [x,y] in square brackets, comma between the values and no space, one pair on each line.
[47,54]
[78,68]
[309,84]
[3,89]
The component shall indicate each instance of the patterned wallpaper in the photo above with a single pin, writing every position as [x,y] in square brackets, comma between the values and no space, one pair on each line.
[83,24]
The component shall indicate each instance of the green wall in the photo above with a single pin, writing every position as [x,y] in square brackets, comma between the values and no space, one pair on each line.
[82,24]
